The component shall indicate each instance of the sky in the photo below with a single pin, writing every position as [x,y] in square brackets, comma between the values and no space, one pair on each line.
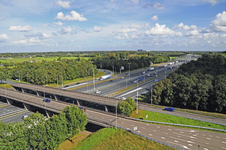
[85,25]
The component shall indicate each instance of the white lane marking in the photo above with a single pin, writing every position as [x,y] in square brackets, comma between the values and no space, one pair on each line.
[179,144]
[205,148]
[143,127]
[147,124]
[170,129]
[186,130]
[223,142]
[181,132]
[175,141]
[150,134]
[139,131]
[223,147]
[185,135]
[181,139]
[154,130]
[207,143]
[163,137]
[128,128]
[190,144]
[132,125]
[130,92]
[203,135]
[158,126]
[208,138]
[194,135]
[217,137]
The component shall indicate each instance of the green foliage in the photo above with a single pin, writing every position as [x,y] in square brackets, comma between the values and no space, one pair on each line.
[34,132]
[126,107]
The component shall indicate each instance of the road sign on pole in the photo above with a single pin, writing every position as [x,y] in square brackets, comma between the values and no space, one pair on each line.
[135,128]
[146,116]
[155,80]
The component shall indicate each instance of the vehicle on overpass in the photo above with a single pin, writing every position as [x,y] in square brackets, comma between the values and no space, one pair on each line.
[98,91]
[152,68]
[24,116]
[82,108]
[46,100]
[105,77]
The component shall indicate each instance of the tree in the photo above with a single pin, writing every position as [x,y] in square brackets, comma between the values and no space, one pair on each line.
[124,108]
[131,102]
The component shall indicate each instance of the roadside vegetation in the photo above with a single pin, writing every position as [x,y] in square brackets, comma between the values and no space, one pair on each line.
[126,107]
[160,117]
[110,139]
[37,133]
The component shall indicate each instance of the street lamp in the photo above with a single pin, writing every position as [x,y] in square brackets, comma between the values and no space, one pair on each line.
[129,70]
[116,113]
[113,69]
[57,80]
[151,94]
[93,78]
[137,97]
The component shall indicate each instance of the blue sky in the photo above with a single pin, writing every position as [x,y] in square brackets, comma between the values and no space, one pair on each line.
[65,25]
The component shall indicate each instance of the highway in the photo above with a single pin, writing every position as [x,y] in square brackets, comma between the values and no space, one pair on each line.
[179,137]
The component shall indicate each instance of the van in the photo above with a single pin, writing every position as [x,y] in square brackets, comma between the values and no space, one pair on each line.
[24,116]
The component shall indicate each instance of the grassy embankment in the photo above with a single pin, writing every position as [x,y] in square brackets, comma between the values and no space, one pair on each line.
[154,116]
[110,139]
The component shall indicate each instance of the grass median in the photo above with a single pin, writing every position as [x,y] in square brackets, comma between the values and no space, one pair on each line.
[160,117]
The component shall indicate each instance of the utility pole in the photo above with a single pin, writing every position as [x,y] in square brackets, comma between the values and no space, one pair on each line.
[116,113]
[113,69]
[137,97]
[129,70]
[151,94]
[94,78]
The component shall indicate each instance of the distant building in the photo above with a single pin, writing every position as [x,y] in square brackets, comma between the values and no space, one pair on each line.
[141,50]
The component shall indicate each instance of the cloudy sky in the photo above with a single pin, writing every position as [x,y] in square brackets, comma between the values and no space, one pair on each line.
[54,25]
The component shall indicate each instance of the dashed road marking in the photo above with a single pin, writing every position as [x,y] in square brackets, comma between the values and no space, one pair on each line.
[139,131]
[175,141]
[154,130]
[150,134]
[170,129]
[181,132]
[143,127]
[217,137]
[205,148]
[208,138]
[158,126]
[223,147]
[190,144]
[223,142]
[122,122]
[163,137]
[207,143]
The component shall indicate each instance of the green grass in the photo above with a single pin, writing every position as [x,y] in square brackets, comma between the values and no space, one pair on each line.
[110,139]
[39,59]
[172,58]
[154,116]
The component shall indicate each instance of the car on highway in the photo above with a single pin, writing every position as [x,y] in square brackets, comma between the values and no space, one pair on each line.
[24,116]
[77,83]
[123,98]
[82,108]
[122,77]
[66,86]
[46,100]
[148,75]
[98,91]
[111,80]
[169,109]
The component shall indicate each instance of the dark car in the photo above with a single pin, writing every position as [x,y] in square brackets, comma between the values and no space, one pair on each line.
[66,86]
[82,108]
[77,83]
[46,100]
[111,80]
[169,109]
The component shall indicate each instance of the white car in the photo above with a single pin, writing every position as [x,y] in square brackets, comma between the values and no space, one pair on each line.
[97,91]
[123,98]
[148,75]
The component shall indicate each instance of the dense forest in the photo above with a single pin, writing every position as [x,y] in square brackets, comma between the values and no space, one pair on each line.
[49,71]
[198,85]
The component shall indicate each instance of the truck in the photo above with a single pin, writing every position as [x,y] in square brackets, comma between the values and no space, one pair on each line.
[139,79]
[152,68]
[105,77]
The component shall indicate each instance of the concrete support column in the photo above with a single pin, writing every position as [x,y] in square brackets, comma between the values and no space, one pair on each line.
[55,97]
[106,108]
[47,113]
[26,106]
[22,90]
[78,102]
[37,93]
[9,102]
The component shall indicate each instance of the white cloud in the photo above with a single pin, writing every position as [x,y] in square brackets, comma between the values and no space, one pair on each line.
[20,28]
[213,2]
[66,30]
[134,25]
[219,24]
[20,42]
[58,23]
[64,4]
[3,37]
[1,19]
[119,38]
[154,18]
[34,40]
[178,34]
[223,35]
[192,33]
[204,30]
[160,30]
[133,36]
[157,6]
[97,29]
[101,40]
[126,30]
[181,26]
[112,1]
[210,35]
[74,16]
[46,25]
[135,1]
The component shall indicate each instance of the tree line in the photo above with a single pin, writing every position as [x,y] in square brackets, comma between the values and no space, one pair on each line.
[49,71]
[197,85]
[37,133]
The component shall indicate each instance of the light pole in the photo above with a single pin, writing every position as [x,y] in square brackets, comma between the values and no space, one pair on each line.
[62,81]
[137,97]
[93,78]
[113,69]
[126,82]
[129,70]
[116,113]
[57,80]
[151,94]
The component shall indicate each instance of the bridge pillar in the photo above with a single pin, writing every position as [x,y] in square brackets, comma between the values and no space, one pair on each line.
[47,113]
[78,102]
[37,93]
[9,102]
[22,90]
[55,97]
[26,106]
[106,108]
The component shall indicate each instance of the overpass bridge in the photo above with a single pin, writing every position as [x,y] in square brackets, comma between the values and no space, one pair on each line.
[78,96]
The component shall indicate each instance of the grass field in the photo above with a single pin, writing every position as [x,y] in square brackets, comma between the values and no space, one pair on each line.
[154,116]
[172,58]
[38,59]
[110,139]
